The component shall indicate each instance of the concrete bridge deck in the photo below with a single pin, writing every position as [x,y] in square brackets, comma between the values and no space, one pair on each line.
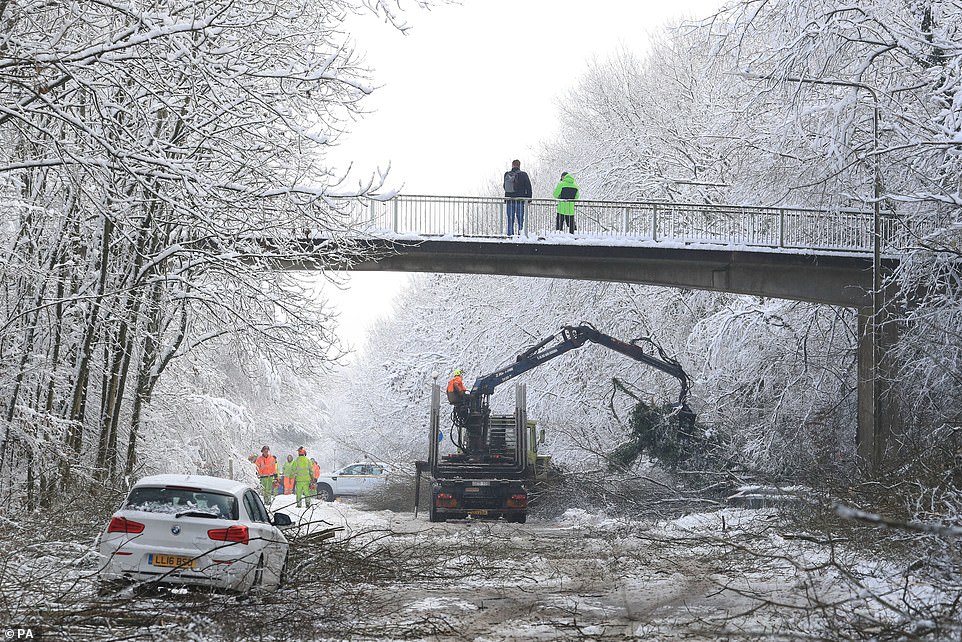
[830,278]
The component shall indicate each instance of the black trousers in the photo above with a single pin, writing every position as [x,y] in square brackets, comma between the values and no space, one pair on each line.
[562,220]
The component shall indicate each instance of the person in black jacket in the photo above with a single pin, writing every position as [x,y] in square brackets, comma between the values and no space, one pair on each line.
[517,186]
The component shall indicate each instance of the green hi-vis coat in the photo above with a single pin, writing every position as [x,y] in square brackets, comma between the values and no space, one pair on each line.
[303,469]
[567,207]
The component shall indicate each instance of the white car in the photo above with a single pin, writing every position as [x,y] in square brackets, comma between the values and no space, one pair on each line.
[193,530]
[352,480]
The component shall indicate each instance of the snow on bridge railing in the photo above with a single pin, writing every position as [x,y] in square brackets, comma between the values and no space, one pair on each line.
[774,227]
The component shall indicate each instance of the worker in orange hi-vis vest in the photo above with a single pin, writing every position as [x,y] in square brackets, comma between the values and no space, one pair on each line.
[457,394]
[316,468]
[266,466]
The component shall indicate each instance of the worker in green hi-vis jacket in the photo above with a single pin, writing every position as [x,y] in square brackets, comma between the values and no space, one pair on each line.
[303,476]
[288,471]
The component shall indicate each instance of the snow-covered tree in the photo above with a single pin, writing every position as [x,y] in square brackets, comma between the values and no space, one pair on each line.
[149,150]
[876,90]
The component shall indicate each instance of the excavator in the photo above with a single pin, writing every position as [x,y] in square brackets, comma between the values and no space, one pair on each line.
[496,459]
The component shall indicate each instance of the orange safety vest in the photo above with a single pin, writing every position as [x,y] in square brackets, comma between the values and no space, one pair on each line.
[266,466]
[456,391]
[456,385]
[317,471]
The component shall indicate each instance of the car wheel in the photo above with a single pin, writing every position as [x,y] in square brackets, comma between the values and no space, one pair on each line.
[522,518]
[325,493]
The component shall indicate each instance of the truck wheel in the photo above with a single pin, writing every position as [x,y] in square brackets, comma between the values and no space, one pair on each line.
[325,493]
[521,519]
[433,515]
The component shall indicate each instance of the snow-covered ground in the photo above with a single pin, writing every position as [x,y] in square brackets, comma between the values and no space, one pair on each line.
[346,517]
[733,573]
[737,574]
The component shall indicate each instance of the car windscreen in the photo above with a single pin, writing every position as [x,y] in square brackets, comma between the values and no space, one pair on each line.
[182,501]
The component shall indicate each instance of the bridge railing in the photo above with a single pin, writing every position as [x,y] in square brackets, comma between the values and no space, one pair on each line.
[773,227]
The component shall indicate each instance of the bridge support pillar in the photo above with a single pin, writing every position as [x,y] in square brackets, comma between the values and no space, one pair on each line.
[878,418]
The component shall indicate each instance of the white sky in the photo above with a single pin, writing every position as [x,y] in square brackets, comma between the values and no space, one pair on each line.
[469,88]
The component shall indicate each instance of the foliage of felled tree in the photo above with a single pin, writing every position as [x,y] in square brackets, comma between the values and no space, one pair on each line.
[147,148]
[660,433]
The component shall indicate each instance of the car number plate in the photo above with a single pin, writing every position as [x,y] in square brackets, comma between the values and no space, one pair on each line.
[477,512]
[171,561]
[481,483]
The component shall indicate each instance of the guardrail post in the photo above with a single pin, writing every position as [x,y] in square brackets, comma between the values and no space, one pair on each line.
[624,221]
[781,227]
[395,212]
[654,222]
[370,210]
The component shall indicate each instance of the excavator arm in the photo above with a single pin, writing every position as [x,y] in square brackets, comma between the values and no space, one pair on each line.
[663,362]
[569,338]
[527,360]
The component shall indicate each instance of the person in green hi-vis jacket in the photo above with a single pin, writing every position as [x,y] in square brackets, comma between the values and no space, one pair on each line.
[303,476]
[288,471]
[568,192]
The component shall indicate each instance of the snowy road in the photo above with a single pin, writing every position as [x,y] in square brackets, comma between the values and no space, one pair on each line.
[728,574]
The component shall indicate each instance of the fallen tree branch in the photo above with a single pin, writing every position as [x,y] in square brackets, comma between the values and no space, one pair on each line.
[847,512]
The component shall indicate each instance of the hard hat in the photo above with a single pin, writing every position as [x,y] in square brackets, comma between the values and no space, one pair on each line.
[263,448]
[458,372]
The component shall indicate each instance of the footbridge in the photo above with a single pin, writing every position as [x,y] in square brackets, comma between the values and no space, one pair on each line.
[827,257]
[792,253]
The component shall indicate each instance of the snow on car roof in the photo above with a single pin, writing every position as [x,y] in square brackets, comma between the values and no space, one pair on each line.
[203,481]
[368,463]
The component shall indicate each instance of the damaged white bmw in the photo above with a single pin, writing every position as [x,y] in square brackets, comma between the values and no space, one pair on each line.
[193,530]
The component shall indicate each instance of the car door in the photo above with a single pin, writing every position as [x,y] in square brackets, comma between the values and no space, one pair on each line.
[349,480]
[377,477]
[370,477]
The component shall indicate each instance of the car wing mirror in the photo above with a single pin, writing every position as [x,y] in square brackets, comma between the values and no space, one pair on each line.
[282,519]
